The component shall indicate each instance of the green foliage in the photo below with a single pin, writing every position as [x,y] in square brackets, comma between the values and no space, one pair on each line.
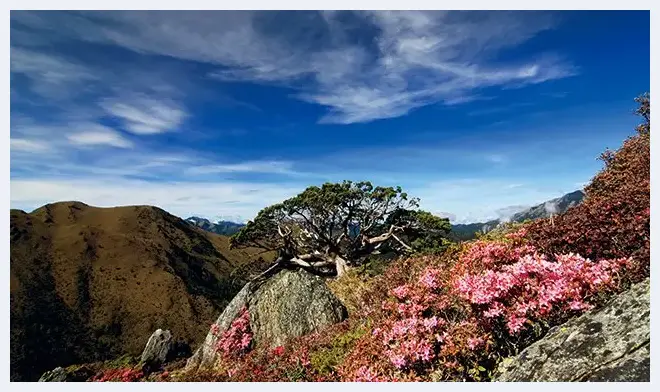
[125,361]
[426,232]
[347,220]
[326,359]
[500,232]
[374,265]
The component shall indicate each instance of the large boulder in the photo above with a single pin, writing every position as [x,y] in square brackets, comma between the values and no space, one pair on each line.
[607,344]
[289,304]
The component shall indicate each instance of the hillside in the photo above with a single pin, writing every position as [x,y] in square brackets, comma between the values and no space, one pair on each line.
[221,227]
[464,232]
[92,283]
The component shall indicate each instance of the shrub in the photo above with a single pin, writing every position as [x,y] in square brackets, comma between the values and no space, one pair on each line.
[236,340]
[461,319]
[326,358]
[119,374]
[613,221]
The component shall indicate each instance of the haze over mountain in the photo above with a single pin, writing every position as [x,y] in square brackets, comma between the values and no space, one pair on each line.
[92,283]
[543,210]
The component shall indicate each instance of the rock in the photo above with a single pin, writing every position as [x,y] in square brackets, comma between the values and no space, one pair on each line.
[56,375]
[158,350]
[289,304]
[205,355]
[72,373]
[607,344]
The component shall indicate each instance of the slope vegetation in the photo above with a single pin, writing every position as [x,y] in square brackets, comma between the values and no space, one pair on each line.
[92,283]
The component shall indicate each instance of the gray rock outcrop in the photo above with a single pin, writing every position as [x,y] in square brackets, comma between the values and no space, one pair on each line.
[158,349]
[56,375]
[70,374]
[607,344]
[289,304]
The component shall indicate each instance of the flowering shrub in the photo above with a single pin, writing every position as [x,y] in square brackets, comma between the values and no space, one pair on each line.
[613,221]
[236,340]
[457,319]
[121,374]
[533,286]
[484,254]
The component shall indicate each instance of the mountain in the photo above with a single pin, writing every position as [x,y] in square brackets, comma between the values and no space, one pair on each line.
[554,206]
[91,283]
[465,232]
[221,227]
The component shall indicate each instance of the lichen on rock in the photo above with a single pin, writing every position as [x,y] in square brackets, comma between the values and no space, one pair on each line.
[607,344]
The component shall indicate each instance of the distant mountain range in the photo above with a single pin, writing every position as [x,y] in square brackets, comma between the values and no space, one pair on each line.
[459,232]
[221,227]
[464,232]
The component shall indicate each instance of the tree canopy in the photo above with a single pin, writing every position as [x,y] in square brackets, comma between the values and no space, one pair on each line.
[338,225]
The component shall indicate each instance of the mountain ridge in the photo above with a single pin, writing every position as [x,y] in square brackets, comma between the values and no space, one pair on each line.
[221,227]
[468,231]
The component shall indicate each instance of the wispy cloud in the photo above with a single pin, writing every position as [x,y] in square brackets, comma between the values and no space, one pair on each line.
[417,58]
[94,135]
[27,145]
[180,198]
[277,167]
[49,74]
[146,116]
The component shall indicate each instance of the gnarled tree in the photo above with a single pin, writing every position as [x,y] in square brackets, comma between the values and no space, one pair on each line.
[333,227]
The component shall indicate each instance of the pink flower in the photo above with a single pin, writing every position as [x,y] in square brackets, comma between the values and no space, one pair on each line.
[398,360]
[430,279]
[579,305]
[430,323]
[496,309]
[365,374]
[515,323]
[474,343]
[401,292]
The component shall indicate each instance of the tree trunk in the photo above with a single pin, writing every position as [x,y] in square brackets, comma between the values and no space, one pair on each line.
[341,265]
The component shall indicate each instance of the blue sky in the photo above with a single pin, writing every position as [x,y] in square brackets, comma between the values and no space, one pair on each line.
[219,114]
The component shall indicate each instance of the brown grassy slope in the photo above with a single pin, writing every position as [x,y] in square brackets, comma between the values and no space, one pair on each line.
[92,283]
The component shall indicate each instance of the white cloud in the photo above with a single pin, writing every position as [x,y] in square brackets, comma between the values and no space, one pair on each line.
[239,200]
[480,200]
[146,116]
[551,207]
[417,57]
[244,167]
[27,145]
[49,74]
[59,138]
[504,214]
[99,135]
